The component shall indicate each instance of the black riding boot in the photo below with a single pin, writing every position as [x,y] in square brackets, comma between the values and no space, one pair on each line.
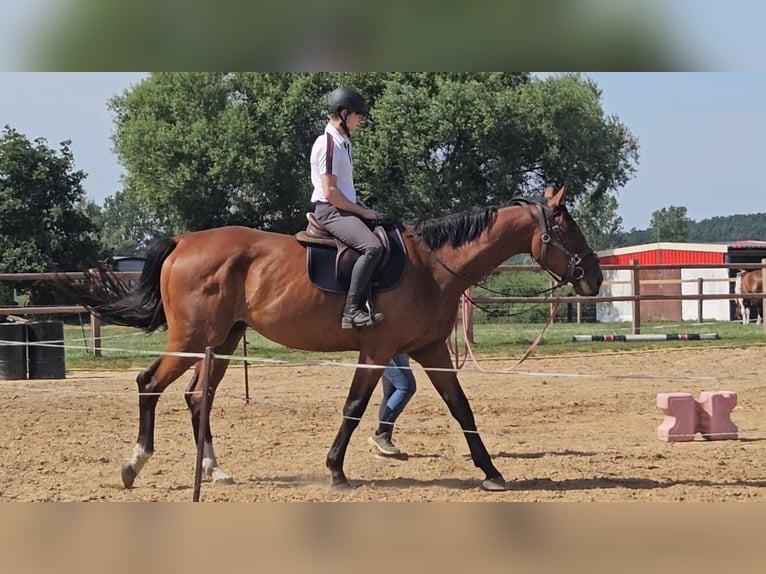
[355,313]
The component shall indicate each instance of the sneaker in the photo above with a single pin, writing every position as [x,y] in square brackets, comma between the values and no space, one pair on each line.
[383,443]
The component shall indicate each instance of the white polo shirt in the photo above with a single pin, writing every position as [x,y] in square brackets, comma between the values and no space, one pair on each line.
[331,153]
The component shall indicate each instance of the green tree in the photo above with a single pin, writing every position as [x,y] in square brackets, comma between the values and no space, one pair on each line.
[209,149]
[670,224]
[730,228]
[204,150]
[598,219]
[129,226]
[445,142]
[44,219]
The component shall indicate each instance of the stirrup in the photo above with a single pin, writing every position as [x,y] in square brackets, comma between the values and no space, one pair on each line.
[360,318]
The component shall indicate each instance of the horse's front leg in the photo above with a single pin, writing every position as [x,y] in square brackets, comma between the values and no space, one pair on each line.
[447,385]
[359,395]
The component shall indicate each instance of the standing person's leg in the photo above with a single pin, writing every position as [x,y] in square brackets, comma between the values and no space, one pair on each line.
[354,232]
[398,387]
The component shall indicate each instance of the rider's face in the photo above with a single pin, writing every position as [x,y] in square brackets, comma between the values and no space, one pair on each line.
[354,120]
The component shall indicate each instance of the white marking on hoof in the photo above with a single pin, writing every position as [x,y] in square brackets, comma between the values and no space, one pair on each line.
[220,477]
[211,471]
[140,458]
[497,484]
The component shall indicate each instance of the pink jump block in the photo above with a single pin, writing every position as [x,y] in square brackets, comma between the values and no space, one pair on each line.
[708,415]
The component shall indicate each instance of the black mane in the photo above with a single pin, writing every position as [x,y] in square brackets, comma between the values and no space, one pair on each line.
[456,229]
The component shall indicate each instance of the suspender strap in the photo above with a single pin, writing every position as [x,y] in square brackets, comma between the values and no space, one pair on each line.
[330,152]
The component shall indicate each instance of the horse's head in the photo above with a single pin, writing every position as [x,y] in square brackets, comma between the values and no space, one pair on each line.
[560,247]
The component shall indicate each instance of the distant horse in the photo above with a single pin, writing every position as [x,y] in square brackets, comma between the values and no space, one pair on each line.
[208,286]
[749,282]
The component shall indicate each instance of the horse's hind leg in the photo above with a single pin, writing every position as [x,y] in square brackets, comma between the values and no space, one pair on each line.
[151,383]
[210,467]
[447,385]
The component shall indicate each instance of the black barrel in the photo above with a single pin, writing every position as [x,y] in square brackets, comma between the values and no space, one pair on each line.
[45,350]
[13,352]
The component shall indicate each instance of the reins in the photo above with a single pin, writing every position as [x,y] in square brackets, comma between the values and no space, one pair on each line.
[524,356]
[547,225]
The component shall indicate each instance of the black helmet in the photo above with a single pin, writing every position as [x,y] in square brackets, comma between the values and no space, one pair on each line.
[345,98]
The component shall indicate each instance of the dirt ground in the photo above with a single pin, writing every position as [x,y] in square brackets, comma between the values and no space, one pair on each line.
[575,428]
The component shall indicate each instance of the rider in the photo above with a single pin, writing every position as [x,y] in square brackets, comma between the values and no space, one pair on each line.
[336,205]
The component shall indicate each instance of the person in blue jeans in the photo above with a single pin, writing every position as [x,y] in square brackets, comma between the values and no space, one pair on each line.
[398,388]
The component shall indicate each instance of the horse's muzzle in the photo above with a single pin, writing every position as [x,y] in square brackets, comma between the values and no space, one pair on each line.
[589,284]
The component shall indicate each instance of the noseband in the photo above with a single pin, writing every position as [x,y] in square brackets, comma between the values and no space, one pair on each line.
[552,234]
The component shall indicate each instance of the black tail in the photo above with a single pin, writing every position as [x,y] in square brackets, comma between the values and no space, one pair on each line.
[109,299]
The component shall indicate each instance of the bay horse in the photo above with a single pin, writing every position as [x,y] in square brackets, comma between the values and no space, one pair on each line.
[749,282]
[207,287]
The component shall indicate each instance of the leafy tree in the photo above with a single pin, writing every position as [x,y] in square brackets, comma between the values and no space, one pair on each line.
[445,142]
[44,220]
[209,149]
[204,150]
[730,228]
[670,224]
[636,237]
[720,229]
[129,226]
[598,219]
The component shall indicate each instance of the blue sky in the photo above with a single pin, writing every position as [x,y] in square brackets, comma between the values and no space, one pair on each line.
[69,106]
[702,135]
[702,138]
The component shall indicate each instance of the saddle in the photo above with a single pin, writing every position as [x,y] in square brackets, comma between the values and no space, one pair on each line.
[330,261]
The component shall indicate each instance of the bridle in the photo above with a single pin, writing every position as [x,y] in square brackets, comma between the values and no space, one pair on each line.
[552,235]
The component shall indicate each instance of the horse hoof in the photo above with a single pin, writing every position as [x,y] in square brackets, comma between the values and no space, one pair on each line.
[496,484]
[222,478]
[128,475]
[343,486]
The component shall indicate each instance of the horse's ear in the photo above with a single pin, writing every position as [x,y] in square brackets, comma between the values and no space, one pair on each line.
[554,201]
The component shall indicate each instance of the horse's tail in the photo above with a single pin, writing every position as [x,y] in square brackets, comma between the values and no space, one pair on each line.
[109,298]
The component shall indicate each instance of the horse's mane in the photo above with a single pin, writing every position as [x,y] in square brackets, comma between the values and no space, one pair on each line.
[455,229]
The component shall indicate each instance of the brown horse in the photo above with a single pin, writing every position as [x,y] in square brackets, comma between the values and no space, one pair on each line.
[207,287]
[749,282]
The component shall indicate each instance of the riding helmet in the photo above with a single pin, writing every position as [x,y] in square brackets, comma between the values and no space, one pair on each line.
[345,98]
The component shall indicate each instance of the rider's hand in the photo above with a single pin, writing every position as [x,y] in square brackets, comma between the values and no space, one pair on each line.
[368,213]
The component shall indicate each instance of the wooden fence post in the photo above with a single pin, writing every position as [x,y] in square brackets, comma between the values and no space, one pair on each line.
[700,301]
[763,282]
[204,414]
[637,295]
[95,333]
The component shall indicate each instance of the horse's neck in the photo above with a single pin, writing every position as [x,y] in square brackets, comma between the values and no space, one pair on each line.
[510,234]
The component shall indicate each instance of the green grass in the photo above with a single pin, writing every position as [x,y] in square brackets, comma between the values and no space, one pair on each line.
[125,348]
[513,340]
